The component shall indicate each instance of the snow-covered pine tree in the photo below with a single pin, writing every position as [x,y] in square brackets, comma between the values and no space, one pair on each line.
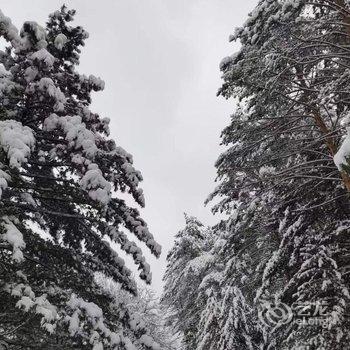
[144,309]
[209,292]
[237,322]
[291,78]
[60,210]
[244,252]
[319,287]
[187,264]
[208,328]
[207,272]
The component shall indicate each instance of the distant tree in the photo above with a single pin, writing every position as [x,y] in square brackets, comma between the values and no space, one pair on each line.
[145,310]
[61,215]
[188,262]
[208,271]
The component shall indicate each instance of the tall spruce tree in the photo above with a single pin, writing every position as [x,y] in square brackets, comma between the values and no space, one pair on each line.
[284,181]
[60,212]
[291,78]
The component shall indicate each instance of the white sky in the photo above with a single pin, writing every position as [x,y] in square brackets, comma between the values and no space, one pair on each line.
[160,61]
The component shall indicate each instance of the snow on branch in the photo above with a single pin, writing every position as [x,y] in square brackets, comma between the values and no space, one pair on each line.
[14,237]
[340,158]
[17,141]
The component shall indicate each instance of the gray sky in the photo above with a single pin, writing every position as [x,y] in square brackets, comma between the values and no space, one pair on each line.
[159,59]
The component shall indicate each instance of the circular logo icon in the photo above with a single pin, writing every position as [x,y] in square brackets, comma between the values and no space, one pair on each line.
[275,314]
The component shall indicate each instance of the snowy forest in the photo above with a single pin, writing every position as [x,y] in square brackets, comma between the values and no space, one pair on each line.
[273,272]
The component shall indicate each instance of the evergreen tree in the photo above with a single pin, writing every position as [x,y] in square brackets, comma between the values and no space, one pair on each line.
[146,310]
[208,328]
[244,253]
[284,182]
[60,212]
[320,287]
[236,326]
[291,79]
[188,262]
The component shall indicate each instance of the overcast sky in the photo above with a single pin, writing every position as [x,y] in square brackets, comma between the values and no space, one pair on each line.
[159,59]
